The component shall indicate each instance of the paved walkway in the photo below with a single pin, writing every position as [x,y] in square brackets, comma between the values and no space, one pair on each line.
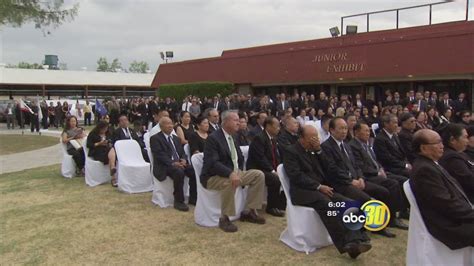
[30,159]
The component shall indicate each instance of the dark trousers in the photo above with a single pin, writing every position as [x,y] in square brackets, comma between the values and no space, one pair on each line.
[44,122]
[52,121]
[87,119]
[388,191]
[340,235]
[275,198]
[353,193]
[78,157]
[177,175]
[34,124]
[400,179]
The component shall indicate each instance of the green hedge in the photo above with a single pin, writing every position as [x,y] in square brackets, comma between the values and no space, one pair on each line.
[202,89]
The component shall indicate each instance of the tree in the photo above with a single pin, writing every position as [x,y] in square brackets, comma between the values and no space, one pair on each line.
[115,66]
[102,65]
[44,13]
[26,65]
[138,67]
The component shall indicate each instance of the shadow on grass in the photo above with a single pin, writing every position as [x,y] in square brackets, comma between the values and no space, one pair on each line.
[46,219]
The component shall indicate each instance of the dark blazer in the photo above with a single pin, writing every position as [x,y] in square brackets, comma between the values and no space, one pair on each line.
[211,128]
[406,139]
[118,134]
[217,158]
[260,153]
[162,153]
[99,153]
[337,170]
[257,129]
[461,168]
[447,214]
[242,137]
[279,107]
[305,174]
[362,159]
[423,104]
[286,138]
[391,156]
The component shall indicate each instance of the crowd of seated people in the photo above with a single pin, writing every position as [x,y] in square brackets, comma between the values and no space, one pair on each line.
[338,157]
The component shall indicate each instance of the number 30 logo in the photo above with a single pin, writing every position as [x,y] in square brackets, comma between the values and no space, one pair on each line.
[377,215]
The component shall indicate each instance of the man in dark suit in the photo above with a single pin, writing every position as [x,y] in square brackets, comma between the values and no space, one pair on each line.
[213,118]
[258,128]
[388,149]
[460,104]
[124,132]
[408,123]
[446,210]
[264,156]
[309,187]
[445,103]
[282,105]
[169,159]
[322,103]
[421,104]
[289,134]
[222,170]
[343,172]
[373,172]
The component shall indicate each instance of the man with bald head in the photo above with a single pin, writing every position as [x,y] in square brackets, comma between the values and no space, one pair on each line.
[303,163]
[169,159]
[223,171]
[445,208]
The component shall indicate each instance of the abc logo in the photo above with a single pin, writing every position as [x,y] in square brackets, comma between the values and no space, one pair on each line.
[353,218]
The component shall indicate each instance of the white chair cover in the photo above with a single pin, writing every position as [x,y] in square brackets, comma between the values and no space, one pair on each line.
[162,191]
[187,151]
[68,166]
[375,127]
[132,171]
[305,232]
[96,172]
[245,153]
[208,207]
[423,248]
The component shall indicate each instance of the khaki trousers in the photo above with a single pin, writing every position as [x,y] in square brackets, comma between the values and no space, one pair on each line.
[255,179]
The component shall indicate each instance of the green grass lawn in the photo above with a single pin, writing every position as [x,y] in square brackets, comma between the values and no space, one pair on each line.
[19,143]
[46,219]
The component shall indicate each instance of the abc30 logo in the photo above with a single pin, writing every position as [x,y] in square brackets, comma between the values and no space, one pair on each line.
[374,215]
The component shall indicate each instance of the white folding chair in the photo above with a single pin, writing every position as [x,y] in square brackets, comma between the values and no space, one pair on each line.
[68,166]
[305,232]
[375,127]
[96,172]
[245,153]
[208,206]
[162,190]
[423,248]
[132,171]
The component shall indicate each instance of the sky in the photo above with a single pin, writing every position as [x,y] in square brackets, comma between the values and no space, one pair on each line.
[139,29]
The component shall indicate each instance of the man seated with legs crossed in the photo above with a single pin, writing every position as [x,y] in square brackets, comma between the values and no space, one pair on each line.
[222,170]
[308,187]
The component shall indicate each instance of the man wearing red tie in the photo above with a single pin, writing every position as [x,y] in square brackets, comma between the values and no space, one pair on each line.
[264,156]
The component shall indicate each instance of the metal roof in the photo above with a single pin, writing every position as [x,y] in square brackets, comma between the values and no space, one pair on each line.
[74,78]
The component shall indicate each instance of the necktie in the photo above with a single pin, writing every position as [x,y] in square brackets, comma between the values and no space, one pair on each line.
[233,153]
[274,155]
[372,156]
[174,156]
[126,132]
[345,157]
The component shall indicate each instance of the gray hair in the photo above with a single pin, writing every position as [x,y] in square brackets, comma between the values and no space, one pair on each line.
[226,114]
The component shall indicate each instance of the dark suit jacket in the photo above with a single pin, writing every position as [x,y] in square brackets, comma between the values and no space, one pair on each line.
[337,170]
[362,159]
[260,153]
[390,156]
[406,139]
[162,153]
[459,167]
[447,214]
[217,157]
[305,174]
[257,129]
[211,128]
[279,107]
[118,134]
[324,105]
[286,138]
